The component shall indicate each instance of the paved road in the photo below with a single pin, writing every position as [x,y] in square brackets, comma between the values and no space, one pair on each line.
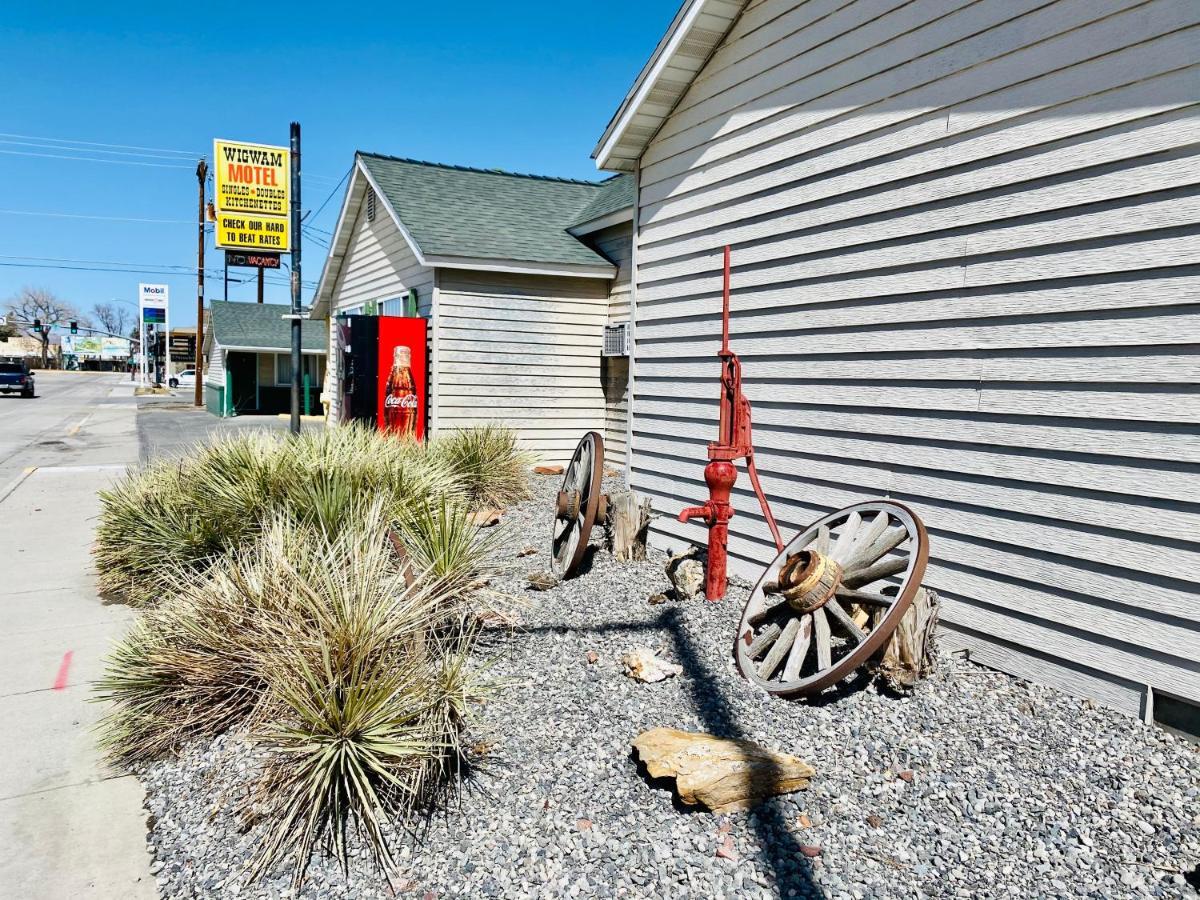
[69,826]
[48,429]
[169,426]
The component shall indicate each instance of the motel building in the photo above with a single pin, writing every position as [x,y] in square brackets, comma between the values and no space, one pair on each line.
[966,276]
[248,360]
[523,281]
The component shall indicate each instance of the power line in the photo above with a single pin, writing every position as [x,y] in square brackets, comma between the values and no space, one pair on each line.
[100,265]
[42,146]
[332,192]
[58,215]
[30,137]
[127,162]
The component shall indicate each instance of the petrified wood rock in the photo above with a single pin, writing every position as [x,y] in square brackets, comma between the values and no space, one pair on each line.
[643,664]
[720,773]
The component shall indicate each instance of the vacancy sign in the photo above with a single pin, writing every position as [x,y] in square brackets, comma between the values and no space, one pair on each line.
[253,196]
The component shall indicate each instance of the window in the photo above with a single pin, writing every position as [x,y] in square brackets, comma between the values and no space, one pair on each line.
[394,307]
[370,204]
[313,367]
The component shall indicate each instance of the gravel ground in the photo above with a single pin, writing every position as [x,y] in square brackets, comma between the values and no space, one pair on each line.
[978,785]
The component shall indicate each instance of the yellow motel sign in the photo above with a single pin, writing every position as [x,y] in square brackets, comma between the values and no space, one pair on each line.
[253,196]
[238,232]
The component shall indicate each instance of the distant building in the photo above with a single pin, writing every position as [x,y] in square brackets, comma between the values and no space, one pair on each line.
[28,349]
[248,368]
[518,277]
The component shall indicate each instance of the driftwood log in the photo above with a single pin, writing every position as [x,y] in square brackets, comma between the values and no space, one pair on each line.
[911,654]
[628,522]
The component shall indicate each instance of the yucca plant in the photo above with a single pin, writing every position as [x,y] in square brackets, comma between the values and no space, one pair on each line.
[445,547]
[369,703]
[488,463]
[191,666]
[185,514]
[356,683]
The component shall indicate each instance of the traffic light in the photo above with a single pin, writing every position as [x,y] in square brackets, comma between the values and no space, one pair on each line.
[74,328]
[37,323]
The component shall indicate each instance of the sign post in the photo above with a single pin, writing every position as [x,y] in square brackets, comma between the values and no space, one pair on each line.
[152,311]
[296,359]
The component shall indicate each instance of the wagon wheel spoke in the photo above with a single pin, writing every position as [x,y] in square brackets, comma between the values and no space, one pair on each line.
[823,639]
[839,615]
[779,649]
[821,543]
[846,537]
[864,598]
[863,541]
[791,670]
[884,568]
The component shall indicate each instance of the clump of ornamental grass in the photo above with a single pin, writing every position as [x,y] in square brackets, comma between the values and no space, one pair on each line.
[191,667]
[487,462]
[355,682]
[185,514]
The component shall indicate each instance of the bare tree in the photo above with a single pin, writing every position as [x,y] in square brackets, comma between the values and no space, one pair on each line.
[43,305]
[113,317]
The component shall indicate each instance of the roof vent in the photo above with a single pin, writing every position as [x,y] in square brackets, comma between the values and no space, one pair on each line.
[370,204]
[616,339]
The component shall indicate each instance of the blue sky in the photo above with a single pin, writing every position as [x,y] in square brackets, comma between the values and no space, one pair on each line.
[527,87]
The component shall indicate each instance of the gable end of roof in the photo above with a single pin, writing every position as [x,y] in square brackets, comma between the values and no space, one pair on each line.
[693,36]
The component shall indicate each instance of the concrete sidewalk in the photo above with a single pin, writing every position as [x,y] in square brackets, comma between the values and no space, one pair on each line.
[69,827]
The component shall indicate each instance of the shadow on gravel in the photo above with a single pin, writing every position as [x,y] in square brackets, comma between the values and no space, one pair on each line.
[789,868]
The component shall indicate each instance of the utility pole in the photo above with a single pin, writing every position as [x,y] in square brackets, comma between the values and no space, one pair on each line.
[295,147]
[260,284]
[201,176]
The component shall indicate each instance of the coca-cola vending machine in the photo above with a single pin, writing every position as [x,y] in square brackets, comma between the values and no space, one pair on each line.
[381,368]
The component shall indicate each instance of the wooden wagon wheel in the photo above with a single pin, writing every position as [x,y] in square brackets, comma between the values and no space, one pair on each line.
[577,507]
[831,598]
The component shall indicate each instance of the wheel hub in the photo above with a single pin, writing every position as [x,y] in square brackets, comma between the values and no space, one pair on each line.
[808,580]
[568,505]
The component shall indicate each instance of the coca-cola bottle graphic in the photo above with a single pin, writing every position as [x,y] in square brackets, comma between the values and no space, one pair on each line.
[400,402]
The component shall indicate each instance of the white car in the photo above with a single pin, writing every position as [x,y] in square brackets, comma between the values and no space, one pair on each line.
[186,378]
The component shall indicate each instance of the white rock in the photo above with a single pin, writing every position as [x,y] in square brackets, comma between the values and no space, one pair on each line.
[642,664]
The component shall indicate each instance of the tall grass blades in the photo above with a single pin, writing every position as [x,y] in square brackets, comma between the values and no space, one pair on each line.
[488,463]
[356,684]
[184,514]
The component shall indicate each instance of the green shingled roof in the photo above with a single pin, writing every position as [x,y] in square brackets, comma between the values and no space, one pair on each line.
[261,325]
[614,194]
[481,213]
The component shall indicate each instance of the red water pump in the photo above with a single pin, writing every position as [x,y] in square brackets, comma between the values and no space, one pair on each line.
[734,441]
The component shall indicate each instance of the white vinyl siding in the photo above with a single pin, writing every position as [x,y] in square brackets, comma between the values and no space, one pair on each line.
[966,276]
[616,243]
[524,351]
[214,367]
[379,266]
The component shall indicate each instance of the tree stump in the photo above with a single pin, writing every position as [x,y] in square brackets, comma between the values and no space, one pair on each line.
[911,654]
[628,522]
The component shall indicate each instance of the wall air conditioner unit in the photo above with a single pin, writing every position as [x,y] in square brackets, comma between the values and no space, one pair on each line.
[616,339]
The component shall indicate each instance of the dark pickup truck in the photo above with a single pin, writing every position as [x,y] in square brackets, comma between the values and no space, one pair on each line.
[16,377]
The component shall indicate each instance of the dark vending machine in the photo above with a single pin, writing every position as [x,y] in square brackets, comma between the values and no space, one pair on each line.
[381,372]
